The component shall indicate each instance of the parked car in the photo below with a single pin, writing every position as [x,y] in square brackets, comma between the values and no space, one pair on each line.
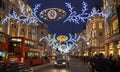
[62,63]
[14,67]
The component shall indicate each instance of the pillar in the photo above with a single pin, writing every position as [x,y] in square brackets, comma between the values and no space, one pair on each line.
[106,49]
[115,50]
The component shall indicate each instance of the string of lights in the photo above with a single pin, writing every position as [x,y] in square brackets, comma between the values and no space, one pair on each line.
[81,17]
[24,18]
[69,44]
[73,16]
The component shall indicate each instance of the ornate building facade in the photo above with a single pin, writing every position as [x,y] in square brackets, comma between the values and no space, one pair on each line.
[112,27]
[95,35]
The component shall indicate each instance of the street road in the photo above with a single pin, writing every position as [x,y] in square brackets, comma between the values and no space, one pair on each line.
[75,66]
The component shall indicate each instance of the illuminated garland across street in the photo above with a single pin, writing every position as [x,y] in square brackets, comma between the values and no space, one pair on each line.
[73,16]
[69,44]
[24,18]
[76,18]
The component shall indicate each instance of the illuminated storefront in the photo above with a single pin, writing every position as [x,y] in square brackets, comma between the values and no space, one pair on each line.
[118,47]
[111,48]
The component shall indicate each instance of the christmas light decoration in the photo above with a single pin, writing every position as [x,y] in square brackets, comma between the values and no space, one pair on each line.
[76,18]
[11,16]
[24,18]
[73,16]
[69,44]
[35,12]
[97,12]
[50,39]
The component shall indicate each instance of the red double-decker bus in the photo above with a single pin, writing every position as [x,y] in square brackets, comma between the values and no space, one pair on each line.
[24,50]
[3,46]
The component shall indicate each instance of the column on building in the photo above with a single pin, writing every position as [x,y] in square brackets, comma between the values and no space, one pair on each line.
[106,49]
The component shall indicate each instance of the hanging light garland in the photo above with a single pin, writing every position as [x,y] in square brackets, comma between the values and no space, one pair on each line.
[73,16]
[24,18]
[69,43]
[81,17]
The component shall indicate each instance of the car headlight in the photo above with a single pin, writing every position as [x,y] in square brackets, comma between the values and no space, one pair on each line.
[63,63]
[55,62]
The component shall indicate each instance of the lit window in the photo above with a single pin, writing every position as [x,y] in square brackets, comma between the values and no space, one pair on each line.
[115,25]
[100,25]
[1,18]
[94,26]
[95,41]
[119,2]
[12,0]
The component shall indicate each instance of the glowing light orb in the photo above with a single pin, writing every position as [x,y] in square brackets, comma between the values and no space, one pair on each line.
[62,38]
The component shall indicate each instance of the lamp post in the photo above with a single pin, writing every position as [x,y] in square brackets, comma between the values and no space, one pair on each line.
[88,43]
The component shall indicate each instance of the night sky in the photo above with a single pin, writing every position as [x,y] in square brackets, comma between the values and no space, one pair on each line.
[58,26]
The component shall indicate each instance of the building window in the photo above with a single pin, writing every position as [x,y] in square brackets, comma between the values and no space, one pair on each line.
[94,33]
[101,43]
[95,42]
[106,2]
[115,27]
[0,3]
[12,0]
[100,26]
[42,26]
[100,34]
[94,25]
[3,6]
[1,18]
[106,31]
[118,2]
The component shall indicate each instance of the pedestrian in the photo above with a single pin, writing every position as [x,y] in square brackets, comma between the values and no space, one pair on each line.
[102,64]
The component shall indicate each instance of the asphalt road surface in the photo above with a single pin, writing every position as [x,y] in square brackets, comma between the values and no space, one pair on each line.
[75,66]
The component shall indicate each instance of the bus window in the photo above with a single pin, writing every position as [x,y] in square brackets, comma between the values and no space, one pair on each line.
[2,38]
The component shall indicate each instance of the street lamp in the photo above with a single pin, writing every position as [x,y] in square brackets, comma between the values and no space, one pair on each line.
[88,43]
[89,49]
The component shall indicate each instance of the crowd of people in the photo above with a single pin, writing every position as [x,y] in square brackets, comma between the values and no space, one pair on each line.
[100,63]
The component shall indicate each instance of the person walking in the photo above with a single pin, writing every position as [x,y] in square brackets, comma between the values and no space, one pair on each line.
[102,64]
